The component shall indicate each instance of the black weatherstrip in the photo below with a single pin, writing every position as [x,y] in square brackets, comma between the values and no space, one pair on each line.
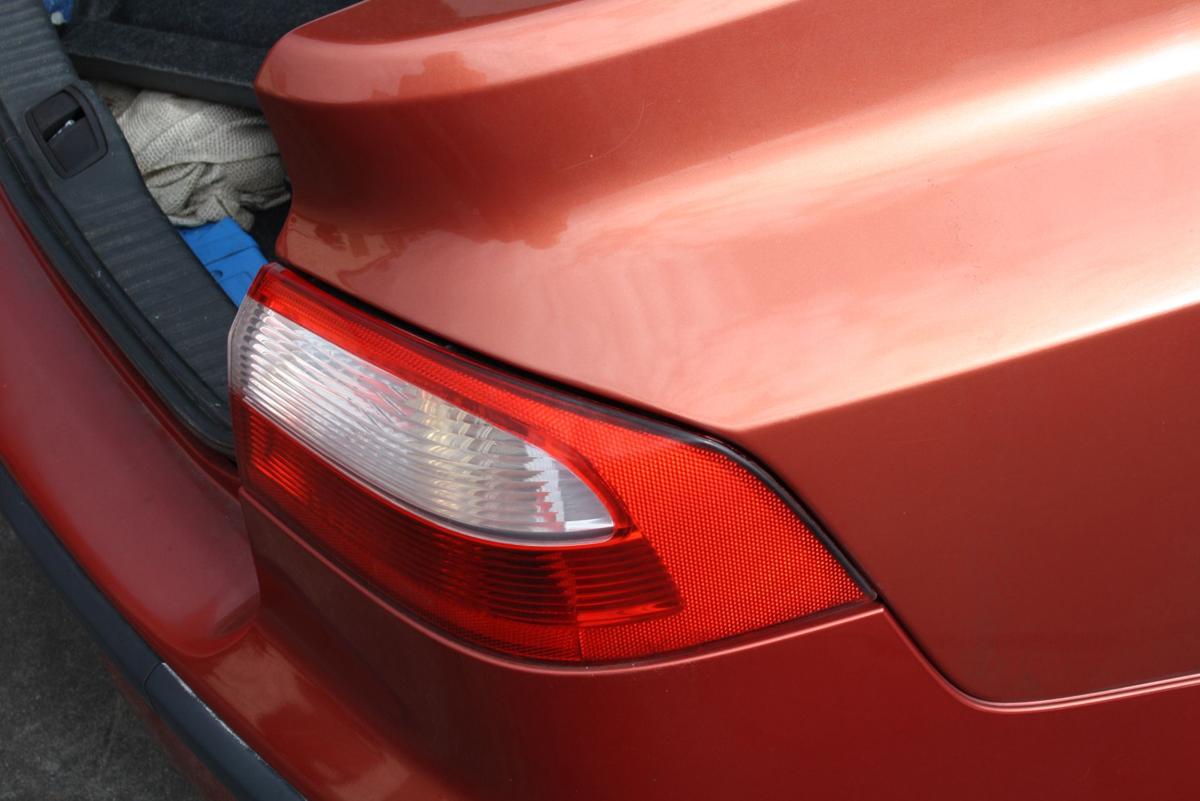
[224,753]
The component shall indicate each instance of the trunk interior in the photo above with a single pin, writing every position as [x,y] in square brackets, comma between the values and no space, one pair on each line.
[107,230]
[210,51]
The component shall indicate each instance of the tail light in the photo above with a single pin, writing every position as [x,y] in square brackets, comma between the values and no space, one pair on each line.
[513,516]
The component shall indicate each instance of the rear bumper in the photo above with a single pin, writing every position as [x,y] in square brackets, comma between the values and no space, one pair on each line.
[209,738]
[377,708]
[153,521]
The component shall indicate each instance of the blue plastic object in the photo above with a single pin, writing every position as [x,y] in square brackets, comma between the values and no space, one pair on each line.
[228,253]
[64,7]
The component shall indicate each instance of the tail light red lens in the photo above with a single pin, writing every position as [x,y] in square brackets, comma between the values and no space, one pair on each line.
[513,516]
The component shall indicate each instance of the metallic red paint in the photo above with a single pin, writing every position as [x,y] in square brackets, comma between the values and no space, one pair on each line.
[382,709]
[935,263]
[963,257]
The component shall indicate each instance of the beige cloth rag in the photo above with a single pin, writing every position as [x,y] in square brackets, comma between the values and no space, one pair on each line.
[201,161]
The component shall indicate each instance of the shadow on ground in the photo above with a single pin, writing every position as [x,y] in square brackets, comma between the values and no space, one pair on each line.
[66,733]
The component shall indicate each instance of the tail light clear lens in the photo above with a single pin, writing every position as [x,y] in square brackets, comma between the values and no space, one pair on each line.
[413,448]
[521,519]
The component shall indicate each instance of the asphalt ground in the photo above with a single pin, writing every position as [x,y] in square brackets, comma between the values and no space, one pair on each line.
[66,732]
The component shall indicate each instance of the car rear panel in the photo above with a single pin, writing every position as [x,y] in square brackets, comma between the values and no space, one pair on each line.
[946,292]
[373,707]
[936,267]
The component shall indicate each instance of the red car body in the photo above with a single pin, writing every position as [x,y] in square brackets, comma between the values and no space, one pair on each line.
[936,266]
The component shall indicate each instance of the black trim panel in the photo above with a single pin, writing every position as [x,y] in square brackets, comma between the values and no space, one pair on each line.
[242,770]
[106,237]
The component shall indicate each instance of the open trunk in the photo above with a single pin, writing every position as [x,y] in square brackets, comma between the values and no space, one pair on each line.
[86,200]
[109,240]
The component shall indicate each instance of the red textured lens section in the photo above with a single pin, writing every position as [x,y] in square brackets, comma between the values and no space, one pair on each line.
[704,548]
